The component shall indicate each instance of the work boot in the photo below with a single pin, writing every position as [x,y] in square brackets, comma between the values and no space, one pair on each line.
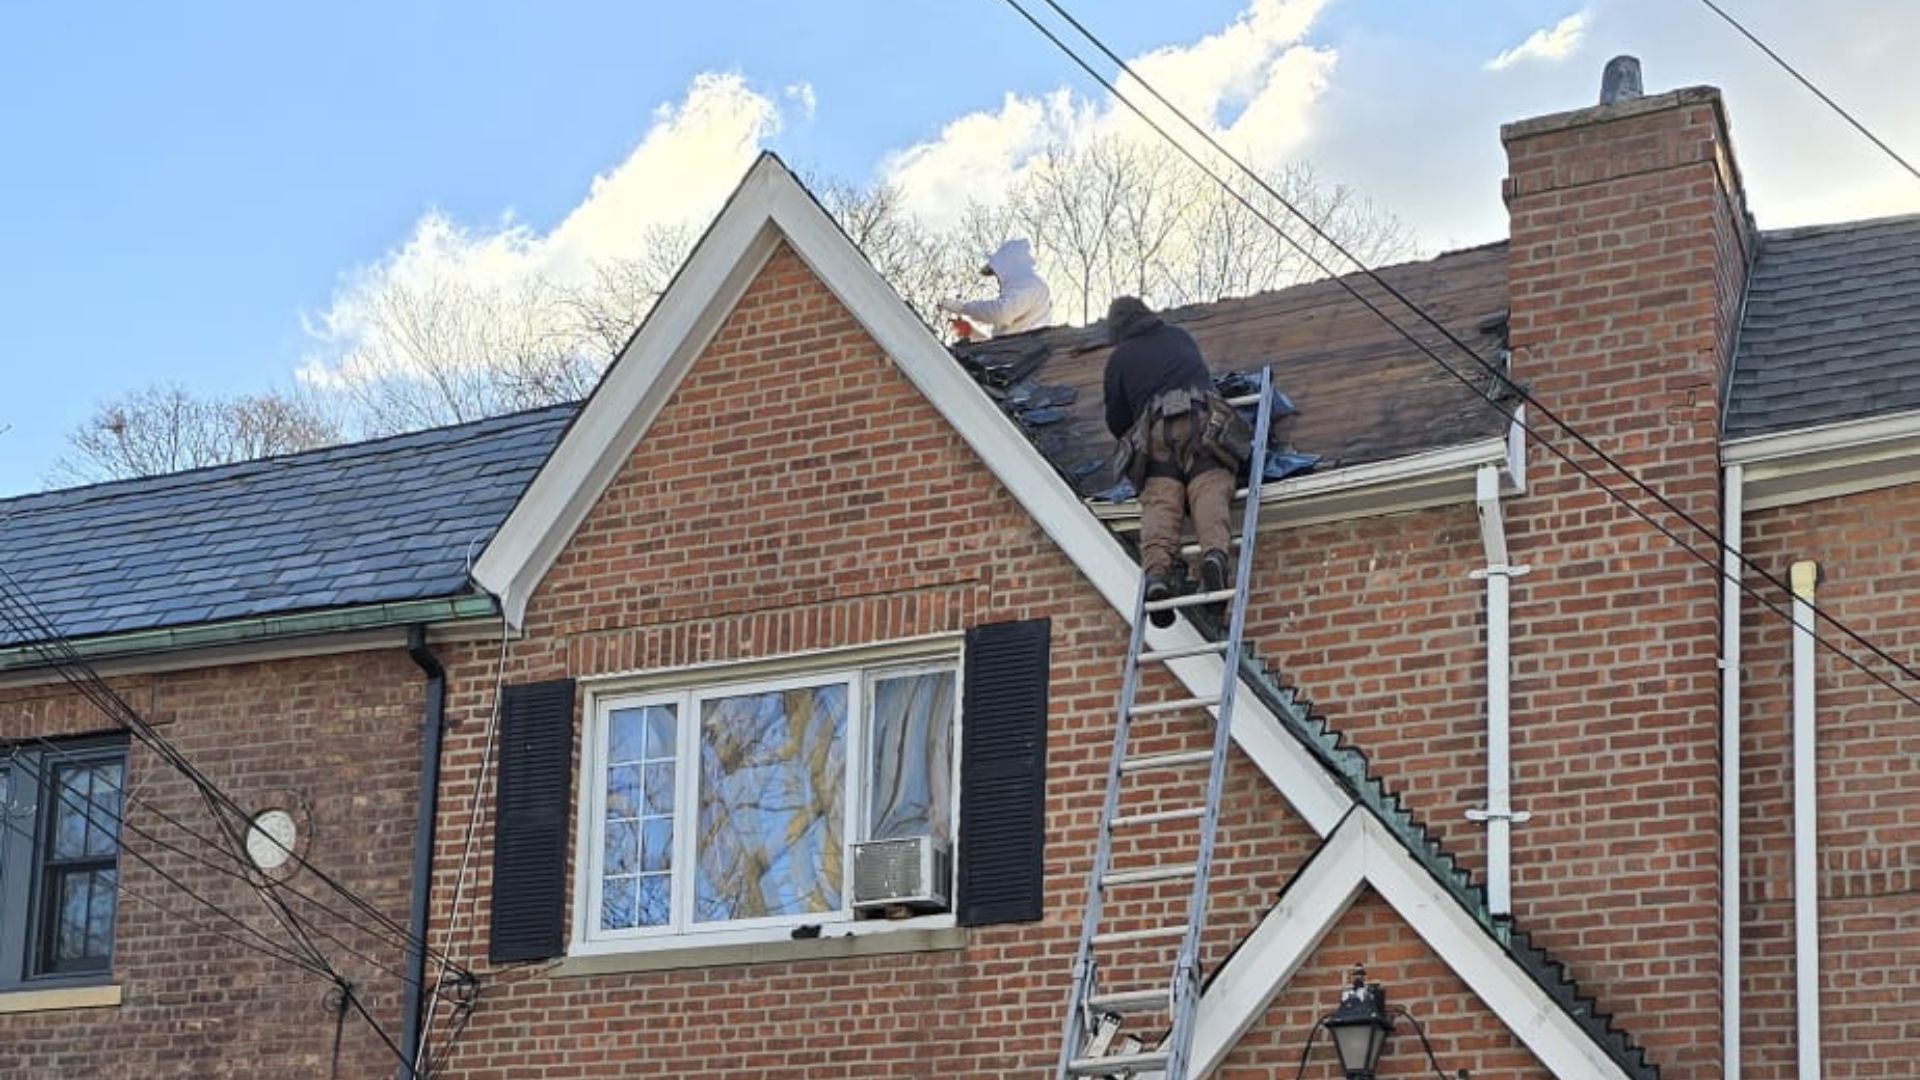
[1213,571]
[1158,589]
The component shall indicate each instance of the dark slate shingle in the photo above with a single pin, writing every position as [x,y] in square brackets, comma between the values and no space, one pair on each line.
[1831,330]
[374,522]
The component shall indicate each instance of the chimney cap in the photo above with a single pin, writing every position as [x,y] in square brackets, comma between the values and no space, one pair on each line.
[1620,81]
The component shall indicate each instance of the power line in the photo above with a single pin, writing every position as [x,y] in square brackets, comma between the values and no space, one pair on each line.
[1816,91]
[22,616]
[1517,390]
[474,808]
[28,623]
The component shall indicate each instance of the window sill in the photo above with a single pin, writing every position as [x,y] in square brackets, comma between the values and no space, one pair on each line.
[778,945]
[62,997]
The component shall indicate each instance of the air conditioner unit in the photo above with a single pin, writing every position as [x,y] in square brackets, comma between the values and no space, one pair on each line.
[909,872]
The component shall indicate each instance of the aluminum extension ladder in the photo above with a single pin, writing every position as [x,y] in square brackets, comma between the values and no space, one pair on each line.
[1096,1044]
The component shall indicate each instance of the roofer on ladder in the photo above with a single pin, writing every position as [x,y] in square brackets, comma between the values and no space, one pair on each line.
[1024,301]
[1160,399]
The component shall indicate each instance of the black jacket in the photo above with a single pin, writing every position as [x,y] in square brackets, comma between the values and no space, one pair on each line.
[1151,357]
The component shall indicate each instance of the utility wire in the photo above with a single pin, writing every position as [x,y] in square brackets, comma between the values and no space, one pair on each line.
[314,964]
[1815,90]
[28,622]
[474,808]
[262,944]
[1518,391]
[24,619]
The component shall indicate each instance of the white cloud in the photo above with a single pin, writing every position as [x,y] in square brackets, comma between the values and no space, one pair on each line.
[1253,84]
[1556,42]
[693,153]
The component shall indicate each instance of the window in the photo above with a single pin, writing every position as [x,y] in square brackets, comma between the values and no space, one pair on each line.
[733,807]
[59,860]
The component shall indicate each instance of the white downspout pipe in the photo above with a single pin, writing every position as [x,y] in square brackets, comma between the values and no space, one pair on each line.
[1734,480]
[1806,883]
[1499,813]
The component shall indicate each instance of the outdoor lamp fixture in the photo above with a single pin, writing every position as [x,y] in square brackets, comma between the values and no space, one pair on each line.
[1360,1026]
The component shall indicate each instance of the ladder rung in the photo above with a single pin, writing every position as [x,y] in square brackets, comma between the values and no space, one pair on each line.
[1191,600]
[1116,1064]
[1194,549]
[1151,874]
[1165,761]
[1128,937]
[1156,708]
[1126,1001]
[1203,649]
[1244,399]
[1151,817]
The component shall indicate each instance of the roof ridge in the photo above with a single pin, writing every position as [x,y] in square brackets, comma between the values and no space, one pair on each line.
[1795,232]
[82,494]
[1349,764]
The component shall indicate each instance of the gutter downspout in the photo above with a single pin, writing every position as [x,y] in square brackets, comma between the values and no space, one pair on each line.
[1806,884]
[1499,813]
[433,722]
[1731,569]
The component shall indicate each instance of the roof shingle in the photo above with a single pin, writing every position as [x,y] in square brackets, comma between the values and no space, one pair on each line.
[1831,330]
[374,522]
[1364,393]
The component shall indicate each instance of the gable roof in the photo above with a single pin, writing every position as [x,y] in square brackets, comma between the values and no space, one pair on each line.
[1831,330]
[770,207]
[1365,395]
[386,521]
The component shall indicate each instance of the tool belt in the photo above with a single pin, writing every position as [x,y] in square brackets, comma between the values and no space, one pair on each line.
[1218,437]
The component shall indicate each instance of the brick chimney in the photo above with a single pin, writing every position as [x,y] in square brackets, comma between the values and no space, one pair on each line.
[1629,246]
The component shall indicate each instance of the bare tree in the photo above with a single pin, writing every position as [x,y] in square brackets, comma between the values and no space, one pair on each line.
[1106,216]
[164,429]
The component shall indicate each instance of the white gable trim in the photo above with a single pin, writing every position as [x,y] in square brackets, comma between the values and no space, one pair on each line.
[1360,853]
[770,204]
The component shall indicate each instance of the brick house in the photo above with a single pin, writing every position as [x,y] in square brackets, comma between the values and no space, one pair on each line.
[796,577]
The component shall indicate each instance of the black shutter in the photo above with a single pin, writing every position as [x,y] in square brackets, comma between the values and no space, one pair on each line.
[530,829]
[1003,773]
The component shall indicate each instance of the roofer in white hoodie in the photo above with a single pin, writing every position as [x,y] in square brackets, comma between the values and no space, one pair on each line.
[1024,301]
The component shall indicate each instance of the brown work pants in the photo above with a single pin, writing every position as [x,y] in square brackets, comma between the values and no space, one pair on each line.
[1166,499]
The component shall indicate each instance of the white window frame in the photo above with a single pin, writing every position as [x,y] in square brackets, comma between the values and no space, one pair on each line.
[686,691]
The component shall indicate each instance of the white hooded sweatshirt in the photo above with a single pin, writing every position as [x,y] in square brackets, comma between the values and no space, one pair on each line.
[1024,301]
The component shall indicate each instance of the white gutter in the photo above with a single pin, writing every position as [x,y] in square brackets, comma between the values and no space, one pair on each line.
[1806,900]
[1828,460]
[1413,482]
[1499,813]
[1730,777]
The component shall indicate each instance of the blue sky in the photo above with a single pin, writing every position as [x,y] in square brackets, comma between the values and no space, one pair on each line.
[188,187]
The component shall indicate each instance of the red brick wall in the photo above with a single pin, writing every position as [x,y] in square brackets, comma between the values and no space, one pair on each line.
[332,739]
[1868,548]
[1624,221]
[871,521]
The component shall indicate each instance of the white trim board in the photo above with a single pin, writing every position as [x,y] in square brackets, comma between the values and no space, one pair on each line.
[771,204]
[1829,460]
[1361,853]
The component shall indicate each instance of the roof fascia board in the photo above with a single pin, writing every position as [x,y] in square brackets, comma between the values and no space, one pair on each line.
[1832,459]
[1420,481]
[637,386]
[1361,852]
[275,638]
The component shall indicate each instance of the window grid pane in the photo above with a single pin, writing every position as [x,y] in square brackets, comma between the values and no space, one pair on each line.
[636,880]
